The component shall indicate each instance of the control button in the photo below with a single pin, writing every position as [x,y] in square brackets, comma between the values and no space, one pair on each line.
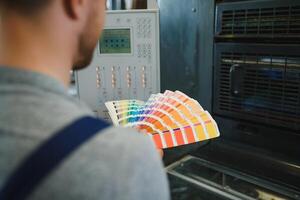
[129,82]
[113,80]
[98,83]
[98,77]
[144,80]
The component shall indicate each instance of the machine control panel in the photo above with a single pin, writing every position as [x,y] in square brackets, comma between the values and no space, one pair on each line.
[126,61]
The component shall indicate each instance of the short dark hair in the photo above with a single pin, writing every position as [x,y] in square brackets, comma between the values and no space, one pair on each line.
[24,6]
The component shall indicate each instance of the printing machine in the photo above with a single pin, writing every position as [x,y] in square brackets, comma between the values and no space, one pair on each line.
[241,61]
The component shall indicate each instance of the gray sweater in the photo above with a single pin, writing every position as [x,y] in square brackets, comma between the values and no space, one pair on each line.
[116,164]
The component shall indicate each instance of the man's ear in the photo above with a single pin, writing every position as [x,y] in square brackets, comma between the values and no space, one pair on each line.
[74,8]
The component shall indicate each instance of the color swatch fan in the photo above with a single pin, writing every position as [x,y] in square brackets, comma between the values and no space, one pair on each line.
[171,119]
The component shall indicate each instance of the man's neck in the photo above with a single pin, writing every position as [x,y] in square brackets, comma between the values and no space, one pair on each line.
[42,51]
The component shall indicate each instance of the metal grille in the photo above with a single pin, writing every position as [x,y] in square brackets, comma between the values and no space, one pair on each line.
[269,88]
[261,22]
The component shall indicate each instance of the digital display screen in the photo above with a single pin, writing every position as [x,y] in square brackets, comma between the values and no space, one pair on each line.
[115,41]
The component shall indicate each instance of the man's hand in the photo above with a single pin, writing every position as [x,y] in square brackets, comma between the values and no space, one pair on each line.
[161,152]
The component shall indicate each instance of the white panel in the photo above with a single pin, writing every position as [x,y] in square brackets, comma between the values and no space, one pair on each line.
[134,75]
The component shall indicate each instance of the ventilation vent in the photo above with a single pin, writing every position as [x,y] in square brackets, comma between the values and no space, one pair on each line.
[259,22]
[259,87]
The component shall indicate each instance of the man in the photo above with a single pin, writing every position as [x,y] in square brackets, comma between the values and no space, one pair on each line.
[40,41]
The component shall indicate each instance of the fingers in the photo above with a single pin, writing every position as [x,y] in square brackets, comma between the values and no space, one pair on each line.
[161,152]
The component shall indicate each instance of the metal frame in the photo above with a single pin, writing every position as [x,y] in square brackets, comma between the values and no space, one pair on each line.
[187,29]
[229,193]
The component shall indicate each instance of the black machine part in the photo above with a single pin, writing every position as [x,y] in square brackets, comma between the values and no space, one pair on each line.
[227,170]
[273,21]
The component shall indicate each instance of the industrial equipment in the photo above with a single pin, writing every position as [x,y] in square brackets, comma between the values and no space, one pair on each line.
[126,61]
[246,59]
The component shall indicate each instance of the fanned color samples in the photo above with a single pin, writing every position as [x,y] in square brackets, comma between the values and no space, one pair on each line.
[171,119]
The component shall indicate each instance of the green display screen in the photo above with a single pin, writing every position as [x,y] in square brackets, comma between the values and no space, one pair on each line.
[115,41]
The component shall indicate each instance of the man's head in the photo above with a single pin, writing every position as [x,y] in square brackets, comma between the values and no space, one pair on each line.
[90,34]
[81,21]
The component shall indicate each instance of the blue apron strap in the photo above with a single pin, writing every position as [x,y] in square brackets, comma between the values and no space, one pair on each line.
[47,156]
